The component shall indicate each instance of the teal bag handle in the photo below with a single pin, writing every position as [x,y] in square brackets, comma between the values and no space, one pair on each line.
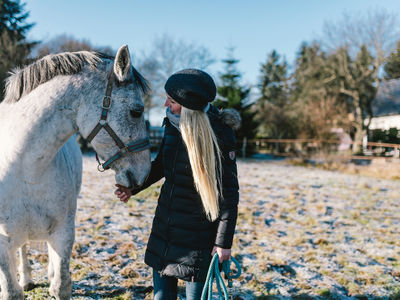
[214,273]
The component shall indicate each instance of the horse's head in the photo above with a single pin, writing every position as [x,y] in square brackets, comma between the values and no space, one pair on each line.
[115,124]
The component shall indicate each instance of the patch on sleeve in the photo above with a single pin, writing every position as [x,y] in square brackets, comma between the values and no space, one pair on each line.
[232,155]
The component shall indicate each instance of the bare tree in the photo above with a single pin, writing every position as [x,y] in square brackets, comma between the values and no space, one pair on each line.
[68,43]
[167,56]
[378,30]
[356,80]
[375,34]
[149,69]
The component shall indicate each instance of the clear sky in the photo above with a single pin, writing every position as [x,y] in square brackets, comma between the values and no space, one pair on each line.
[253,27]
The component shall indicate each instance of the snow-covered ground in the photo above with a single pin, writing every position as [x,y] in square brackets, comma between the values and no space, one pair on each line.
[301,232]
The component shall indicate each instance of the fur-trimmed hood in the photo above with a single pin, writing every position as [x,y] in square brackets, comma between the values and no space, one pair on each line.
[228,116]
[231,117]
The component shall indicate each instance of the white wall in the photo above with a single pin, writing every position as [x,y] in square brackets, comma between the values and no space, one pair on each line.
[385,122]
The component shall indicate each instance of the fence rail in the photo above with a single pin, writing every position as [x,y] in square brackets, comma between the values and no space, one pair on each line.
[371,149]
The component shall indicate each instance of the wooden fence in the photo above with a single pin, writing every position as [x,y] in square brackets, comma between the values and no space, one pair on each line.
[293,147]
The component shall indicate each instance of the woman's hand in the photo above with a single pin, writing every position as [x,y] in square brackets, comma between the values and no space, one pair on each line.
[123,193]
[223,254]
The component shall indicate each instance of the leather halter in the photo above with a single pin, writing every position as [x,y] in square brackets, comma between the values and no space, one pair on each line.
[135,146]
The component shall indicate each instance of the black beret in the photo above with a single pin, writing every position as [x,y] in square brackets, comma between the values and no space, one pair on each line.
[191,88]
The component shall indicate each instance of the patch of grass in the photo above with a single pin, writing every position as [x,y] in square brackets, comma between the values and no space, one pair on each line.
[353,288]
[309,221]
[384,279]
[126,227]
[342,260]
[395,295]
[267,297]
[129,271]
[130,283]
[112,258]
[364,279]
[325,272]
[363,221]
[325,292]
[258,286]
[343,281]
[126,249]
[350,271]
[79,271]
[79,248]
[304,286]
[43,258]
[303,297]
[38,293]
[377,169]
[126,296]
[100,225]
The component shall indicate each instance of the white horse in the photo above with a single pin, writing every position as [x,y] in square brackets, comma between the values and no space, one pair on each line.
[45,104]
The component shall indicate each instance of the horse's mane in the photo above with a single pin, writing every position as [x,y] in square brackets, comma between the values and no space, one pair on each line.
[23,81]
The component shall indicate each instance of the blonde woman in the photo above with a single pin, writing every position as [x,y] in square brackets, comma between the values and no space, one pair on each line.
[197,208]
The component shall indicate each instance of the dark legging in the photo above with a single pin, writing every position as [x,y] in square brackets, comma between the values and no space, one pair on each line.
[165,288]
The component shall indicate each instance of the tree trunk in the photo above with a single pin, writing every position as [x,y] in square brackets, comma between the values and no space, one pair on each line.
[359,126]
[358,140]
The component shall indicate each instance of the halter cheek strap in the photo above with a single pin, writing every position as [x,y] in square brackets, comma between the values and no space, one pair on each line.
[135,146]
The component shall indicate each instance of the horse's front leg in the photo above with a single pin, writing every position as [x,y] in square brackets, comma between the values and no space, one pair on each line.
[10,289]
[60,247]
[25,270]
[50,268]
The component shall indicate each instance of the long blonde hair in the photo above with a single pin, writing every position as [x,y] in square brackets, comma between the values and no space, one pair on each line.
[205,158]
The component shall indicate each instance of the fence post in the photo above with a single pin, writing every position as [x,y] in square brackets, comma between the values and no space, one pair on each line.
[244,147]
[365,143]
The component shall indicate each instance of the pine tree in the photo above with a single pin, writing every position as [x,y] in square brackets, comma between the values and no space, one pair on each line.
[273,107]
[14,48]
[233,95]
[392,66]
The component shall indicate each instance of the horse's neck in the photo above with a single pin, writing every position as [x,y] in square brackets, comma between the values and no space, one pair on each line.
[37,126]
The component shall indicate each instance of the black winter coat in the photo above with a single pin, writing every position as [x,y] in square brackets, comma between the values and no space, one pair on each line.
[182,238]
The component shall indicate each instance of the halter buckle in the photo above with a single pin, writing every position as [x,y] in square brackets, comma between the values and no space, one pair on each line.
[124,150]
[106,102]
[100,168]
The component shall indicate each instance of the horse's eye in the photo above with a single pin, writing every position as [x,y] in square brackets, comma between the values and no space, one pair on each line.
[136,114]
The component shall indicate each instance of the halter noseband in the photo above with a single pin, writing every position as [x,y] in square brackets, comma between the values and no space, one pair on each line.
[135,146]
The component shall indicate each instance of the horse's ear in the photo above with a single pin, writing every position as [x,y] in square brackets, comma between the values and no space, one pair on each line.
[122,63]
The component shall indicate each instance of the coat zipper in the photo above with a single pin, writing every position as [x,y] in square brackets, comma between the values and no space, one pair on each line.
[169,202]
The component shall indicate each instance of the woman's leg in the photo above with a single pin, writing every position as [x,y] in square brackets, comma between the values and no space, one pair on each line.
[193,290]
[165,287]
